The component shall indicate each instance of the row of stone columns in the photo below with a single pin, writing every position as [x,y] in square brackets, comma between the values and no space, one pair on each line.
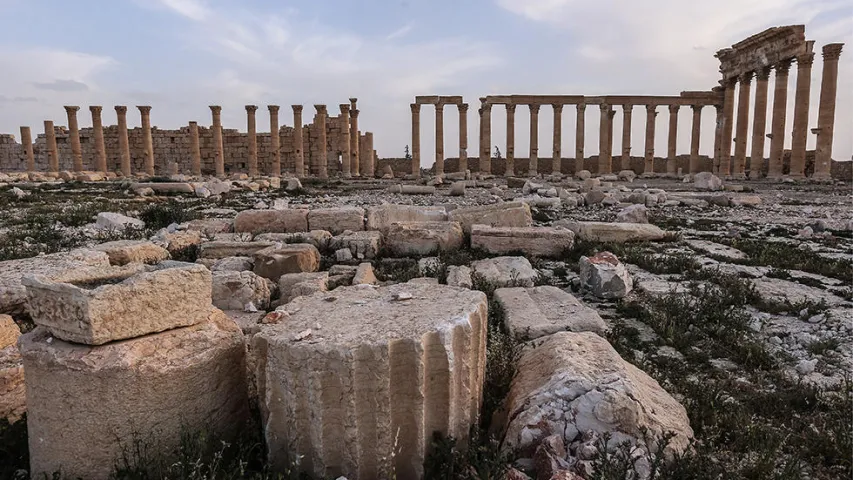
[439,138]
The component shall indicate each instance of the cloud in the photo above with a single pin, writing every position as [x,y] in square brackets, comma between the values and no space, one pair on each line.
[192,9]
[5,99]
[400,32]
[62,86]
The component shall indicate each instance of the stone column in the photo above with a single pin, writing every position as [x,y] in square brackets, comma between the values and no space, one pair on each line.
[195,150]
[557,156]
[416,139]
[605,158]
[626,136]
[742,126]
[367,161]
[27,146]
[298,147]
[510,141]
[50,143]
[346,152]
[439,140]
[74,136]
[485,136]
[728,125]
[147,142]
[463,137]
[694,139]
[649,164]
[801,114]
[355,159]
[123,142]
[275,142]
[218,146]
[826,111]
[579,136]
[718,138]
[533,165]
[759,123]
[671,168]
[252,130]
[323,164]
[98,134]
[777,123]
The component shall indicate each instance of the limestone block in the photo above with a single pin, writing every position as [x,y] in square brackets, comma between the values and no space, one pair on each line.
[232,264]
[381,217]
[85,404]
[337,220]
[117,221]
[211,226]
[275,261]
[575,385]
[534,312]
[236,290]
[13,401]
[605,276]
[707,181]
[354,396]
[96,307]
[13,295]
[423,238]
[364,275]
[613,232]
[9,331]
[633,214]
[363,245]
[459,276]
[534,241]
[318,238]
[220,249]
[178,242]
[165,187]
[505,271]
[272,221]
[509,214]
[122,252]
[292,285]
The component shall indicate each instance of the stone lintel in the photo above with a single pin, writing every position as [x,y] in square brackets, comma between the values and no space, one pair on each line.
[438,99]
[692,98]
[762,50]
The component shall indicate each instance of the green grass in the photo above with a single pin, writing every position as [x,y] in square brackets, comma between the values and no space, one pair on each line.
[783,255]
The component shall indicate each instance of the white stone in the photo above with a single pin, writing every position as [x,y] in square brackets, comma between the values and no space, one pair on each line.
[606,232]
[534,241]
[534,312]
[505,271]
[605,276]
[423,238]
[233,290]
[459,276]
[633,214]
[381,217]
[117,221]
[707,181]
[509,214]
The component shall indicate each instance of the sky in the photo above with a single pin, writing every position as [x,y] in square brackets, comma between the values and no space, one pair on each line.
[182,55]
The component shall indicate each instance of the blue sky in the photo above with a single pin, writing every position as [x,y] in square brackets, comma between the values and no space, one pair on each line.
[181,55]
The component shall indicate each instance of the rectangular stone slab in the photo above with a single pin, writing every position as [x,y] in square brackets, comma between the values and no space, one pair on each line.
[509,214]
[535,241]
[534,312]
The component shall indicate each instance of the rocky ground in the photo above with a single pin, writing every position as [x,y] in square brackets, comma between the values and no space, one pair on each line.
[742,310]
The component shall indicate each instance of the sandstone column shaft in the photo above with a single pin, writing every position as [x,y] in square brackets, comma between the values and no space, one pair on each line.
[649,163]
[672,140]
[777,123]
[355,160]
[694,139]
[323,164]
[275,142]
[346,152]
[439,139]
[367,160]
[218,145]
[759,123]
[826,110]
[252,130]
[801,115]
[463,137]
[195,150]
[100,162]
[74,136]
[605,157]
[728,126]
[147,141]
[557,148]
[298,147]
[510,141]
[718,138]
[742,126]
[533,166]
[27,146]
[50,143]
[579,136]
[485,136]
[123,143]
[416,139]
[627,110]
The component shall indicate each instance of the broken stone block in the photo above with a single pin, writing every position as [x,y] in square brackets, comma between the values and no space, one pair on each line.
[457,189]
[211,226]
[715,249]
[627,175]
[745,200]
[362,245]
[86,405]
[633,214]
[534,241]
[412,189]
[292,285]
[232,264]
[9,331]
[13,401]
[117,221]
[94,307]
[424,280]
[272,221]
[534,312]
[381,217]
[236,290]
[459,276]
[423,238]
[364,275]
[275,261]
[505,271]
[318,238]
[337,220]
[605,276]
[707,181]
[576,386]
[122,252]
[606,232]
[178,242]
[221,249]
[509,214]
[165,187]
[355,396]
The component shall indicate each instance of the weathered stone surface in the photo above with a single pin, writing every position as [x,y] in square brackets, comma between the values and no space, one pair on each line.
[575,385]
[459,276]
[318,238]
[178,242]
[85,404]
[785,291]
[362,245]
[381,217]
[211,226]
[232,264]
[509,214]
[122,252]
[97,306]
[292,285]
[506,271]
[13,401]
[613,232]
[538,311]
[717,249]
[707,181]
[272,221]
[337,220]
[117,221]
[354,396]
[221,249]
[535,241]
[237,290]
[364,275]
[9,331]
[633,214]
[275,261]
[165,187]
[423,238]
[605,276]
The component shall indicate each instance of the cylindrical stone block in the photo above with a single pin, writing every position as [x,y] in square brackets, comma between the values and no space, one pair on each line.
[416,139]
[50,143]
[355,154]
[557,145]
[147,141]
[346,153]
[123,142]
[510,141]
[728,127]
[485,136]
[718,138]
[777,123]
[826,110]
[801,115]
[100,162]
[604,141]
[759,123]
[649,162]
[463,137]
[694,138]
[627,110]
[323,161]
[580,128]
[218,146]
[367,160]
[27,146]
[672,140]
[298,151]
[251,128]
[74,137]
[195,150]
[533,166]
[742,126]
[275,142]
[363,399]
[439,139]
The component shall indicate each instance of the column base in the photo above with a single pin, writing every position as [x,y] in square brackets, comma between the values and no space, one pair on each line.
[822,177]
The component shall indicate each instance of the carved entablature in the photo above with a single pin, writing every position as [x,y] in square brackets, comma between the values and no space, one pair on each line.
[438,99]
[762,50]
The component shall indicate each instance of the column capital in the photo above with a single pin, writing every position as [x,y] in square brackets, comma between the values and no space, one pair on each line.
[604,107]
[581,107]
[783,66]
[763,74]
[674,108]
[463,107]
[651,108]
[296,108]
[805,60]
[482,100]
[697,108]
[273,108]
[416,107]
[510,108]
[121,109]
[745,78]
[627,107]
[534,107]
[95,108]
[251,108]
[831,51]
[486,108]
[729,82]
[216,109]
[439,107]
[193,123]
[353,100]
[344,107]
[320,108]
[71,108]
[558,107]
[144,109]
[353,112]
